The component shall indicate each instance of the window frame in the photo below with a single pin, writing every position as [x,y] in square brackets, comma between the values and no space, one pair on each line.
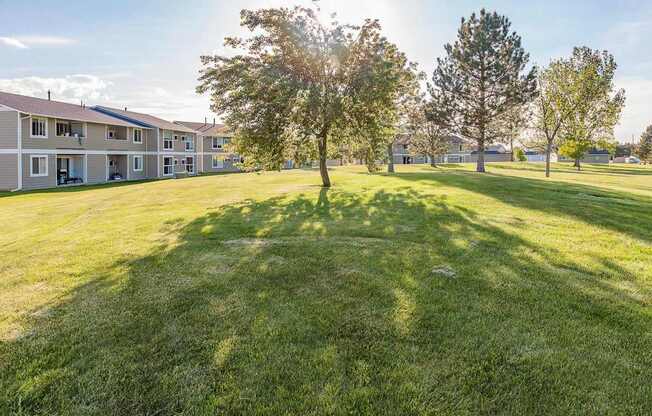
[190,164]
[214,159]
[31,127]
[138,157]
[168,140]
[217,143]
[171,166]
[111,130]
[133,135]
[31,166]
[191,142]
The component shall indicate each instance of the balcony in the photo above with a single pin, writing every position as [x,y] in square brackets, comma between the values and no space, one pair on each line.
[71,129]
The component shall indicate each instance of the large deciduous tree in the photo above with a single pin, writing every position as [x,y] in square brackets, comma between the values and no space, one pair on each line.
[297,82]
[481,78]
[644,148]
[597,105]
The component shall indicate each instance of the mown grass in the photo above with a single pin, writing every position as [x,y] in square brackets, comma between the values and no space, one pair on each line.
[265,294]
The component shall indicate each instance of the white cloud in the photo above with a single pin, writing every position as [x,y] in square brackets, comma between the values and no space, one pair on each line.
[70,88]
[26,42]
[13,42]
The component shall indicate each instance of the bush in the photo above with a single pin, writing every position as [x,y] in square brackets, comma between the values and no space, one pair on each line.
[520,155]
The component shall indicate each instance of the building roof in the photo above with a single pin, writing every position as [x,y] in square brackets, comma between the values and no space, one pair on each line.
[404,138]
[58,109]
[598,152]
[142,119]
[206,129]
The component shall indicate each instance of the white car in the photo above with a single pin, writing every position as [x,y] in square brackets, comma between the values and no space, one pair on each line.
[633,160]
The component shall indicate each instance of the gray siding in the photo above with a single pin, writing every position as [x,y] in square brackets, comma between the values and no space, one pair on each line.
[96,165]
[8,172]
[8,130]
[208,165]
[133,174]
[37,182]
[95,138]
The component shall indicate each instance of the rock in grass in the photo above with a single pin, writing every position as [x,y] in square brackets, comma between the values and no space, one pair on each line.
[445,271]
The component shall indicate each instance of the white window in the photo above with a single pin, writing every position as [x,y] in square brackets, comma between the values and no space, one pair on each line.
[38,165]
[138,163]
[138,136]
[39,127]
[216,142]
[168,144]
[110,133]
[218,162]
[190,144]
[190,164]
[168,165]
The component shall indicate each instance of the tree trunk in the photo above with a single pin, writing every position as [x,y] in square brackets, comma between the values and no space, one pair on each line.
[511,149]
[577,164]
[432,161]
[390,160]
[323,169]
[548,151]
[480,164]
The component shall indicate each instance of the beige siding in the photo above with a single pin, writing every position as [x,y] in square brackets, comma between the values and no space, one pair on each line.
[96,165]
[95,138]
[8,130]
[37,182]
[8,172]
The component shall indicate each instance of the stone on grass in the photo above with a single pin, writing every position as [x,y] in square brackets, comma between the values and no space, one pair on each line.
[445,271]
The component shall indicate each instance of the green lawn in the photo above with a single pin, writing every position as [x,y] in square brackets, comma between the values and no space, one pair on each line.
[266,294]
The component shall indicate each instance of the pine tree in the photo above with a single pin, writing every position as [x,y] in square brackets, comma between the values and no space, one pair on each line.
[482,78]
[644,149]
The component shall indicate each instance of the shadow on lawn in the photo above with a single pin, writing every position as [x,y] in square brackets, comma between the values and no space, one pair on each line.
[327,304]
[629,214]
[587,168]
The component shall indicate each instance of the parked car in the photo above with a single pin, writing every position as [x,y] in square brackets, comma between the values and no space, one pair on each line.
[632,159]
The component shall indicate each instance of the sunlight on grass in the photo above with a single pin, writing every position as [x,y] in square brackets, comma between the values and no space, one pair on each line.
[262,293]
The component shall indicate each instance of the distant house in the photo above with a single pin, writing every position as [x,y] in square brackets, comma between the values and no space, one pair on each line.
[592,156]
[537,156]
[460,150]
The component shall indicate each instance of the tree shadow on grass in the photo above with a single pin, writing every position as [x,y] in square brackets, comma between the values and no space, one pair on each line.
[327,303]
[587,168]
[630,214]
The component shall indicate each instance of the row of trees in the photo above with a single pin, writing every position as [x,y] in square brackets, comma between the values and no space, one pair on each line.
[302,89]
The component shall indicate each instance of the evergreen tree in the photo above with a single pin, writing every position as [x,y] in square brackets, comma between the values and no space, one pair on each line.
[481,78]
[644,148]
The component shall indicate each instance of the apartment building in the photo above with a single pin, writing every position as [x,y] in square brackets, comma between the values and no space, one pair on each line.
[46,144]
[459,150]
[175,147]
[216,154]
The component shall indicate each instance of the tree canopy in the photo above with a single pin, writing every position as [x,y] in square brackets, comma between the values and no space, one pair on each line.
[482,77]
[596,105]
[298,83]
[644,148]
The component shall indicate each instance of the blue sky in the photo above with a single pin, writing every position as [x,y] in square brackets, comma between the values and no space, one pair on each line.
[145,54]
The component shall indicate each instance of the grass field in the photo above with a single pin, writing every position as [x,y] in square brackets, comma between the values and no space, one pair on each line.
[266,294]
